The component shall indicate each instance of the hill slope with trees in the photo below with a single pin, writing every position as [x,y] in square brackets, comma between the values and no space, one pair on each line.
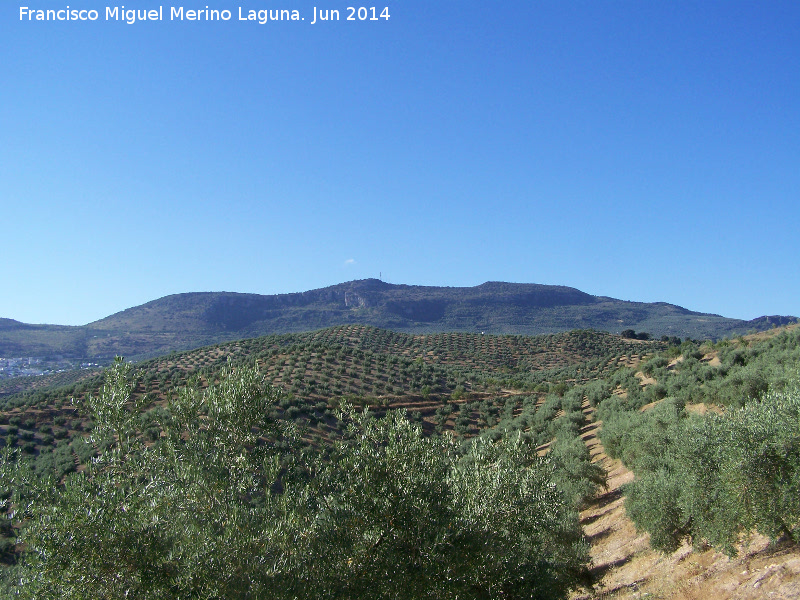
[354,462]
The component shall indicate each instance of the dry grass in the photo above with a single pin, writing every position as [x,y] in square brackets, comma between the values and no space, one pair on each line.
[644,380]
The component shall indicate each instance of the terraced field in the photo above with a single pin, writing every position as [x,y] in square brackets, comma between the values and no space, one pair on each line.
[447,381]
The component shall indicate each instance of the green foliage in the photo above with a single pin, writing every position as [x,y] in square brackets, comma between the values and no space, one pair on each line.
[150,521]
[411,520]
[744,372]
[748,465]
[575,474]
[654,503]
[225,504]
[712,479]
[695,479]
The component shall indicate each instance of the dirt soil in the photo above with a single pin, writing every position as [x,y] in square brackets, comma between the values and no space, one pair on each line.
[625,567]
[644,379]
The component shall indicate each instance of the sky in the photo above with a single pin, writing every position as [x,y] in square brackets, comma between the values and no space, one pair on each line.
[643,150]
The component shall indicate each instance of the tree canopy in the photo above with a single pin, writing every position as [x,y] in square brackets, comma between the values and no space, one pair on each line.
[226,503]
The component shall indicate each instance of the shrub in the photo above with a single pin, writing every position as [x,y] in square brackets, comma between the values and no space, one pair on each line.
[717,477]
[211,511]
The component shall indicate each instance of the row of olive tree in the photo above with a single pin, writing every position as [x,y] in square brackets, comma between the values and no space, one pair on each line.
[227,504]
[714,478]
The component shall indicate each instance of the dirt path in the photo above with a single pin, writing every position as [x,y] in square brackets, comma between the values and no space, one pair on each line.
[624,566]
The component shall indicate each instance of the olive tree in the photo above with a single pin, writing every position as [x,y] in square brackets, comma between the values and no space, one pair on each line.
[227,503]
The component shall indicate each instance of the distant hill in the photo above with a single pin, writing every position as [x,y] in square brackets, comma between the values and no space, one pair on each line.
[22,339]
[190,320]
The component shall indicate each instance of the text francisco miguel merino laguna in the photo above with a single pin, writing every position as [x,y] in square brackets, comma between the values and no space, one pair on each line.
[179,13]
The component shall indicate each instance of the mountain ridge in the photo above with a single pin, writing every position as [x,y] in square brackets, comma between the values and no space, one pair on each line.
[191,319]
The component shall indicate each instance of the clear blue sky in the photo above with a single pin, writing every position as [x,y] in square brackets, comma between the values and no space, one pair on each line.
[643,150]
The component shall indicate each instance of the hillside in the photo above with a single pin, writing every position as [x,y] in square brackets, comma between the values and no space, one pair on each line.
[191,320]
[368,364]
[562,393]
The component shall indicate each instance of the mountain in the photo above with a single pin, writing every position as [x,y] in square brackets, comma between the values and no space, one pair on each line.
[183,321]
